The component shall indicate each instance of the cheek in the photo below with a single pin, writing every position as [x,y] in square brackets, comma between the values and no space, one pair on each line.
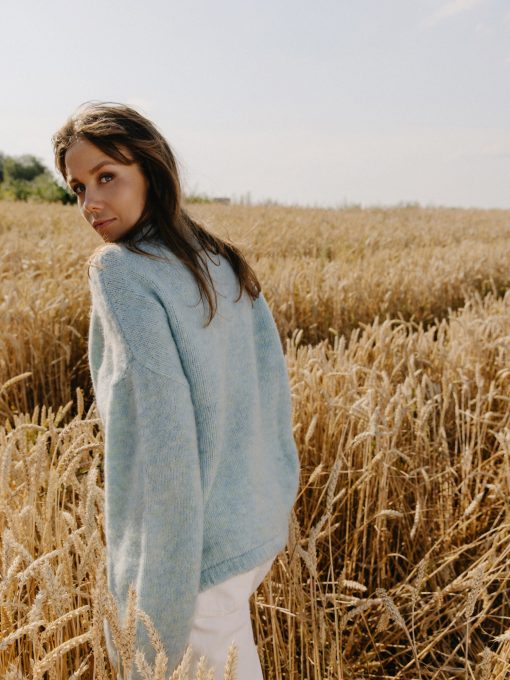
[137,198]
[128,192]
[142,192]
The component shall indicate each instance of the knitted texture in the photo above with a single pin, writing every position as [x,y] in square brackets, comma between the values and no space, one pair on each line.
[201,467]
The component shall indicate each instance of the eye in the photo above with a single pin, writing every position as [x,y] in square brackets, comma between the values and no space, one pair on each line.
[77,187]
[105,174]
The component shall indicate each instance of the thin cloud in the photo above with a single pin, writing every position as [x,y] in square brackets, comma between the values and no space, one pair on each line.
[450,9]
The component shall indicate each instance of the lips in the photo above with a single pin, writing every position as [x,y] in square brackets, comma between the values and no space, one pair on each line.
[101,223]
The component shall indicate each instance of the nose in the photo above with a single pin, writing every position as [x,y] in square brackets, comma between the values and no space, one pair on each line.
[91,201]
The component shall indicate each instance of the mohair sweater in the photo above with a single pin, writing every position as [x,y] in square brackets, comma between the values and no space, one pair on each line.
[201,467]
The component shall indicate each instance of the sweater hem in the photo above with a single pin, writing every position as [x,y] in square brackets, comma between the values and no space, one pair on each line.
[218,573]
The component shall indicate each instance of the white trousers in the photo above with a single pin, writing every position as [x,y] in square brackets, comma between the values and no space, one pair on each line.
[222,615]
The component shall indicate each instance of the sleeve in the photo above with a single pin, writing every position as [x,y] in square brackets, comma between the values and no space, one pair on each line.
[153,490]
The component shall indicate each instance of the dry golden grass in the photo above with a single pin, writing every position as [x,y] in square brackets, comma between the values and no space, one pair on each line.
[397,562]
[323,271]
[53,597]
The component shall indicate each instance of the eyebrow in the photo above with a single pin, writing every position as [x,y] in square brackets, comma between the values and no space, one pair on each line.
[96,167]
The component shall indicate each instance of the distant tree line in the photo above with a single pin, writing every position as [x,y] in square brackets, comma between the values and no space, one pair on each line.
[24,178]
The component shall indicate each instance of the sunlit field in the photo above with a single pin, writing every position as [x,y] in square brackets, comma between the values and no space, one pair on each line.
[396,329]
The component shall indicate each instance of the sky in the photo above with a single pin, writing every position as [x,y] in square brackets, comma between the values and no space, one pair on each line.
[327,103]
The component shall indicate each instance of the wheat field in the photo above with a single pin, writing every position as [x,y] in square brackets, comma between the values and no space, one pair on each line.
[396,329]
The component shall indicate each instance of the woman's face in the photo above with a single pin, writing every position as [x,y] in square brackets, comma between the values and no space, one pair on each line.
[108,191]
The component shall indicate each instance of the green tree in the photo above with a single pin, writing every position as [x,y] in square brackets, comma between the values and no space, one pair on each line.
[46,188]
[24,167]
[24,178]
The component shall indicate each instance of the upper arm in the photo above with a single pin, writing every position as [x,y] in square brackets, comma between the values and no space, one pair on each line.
[134,319]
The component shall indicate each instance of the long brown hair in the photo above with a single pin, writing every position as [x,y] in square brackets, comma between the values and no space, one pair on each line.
[109,125]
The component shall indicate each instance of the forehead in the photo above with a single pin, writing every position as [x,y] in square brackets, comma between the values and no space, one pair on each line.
[83,157]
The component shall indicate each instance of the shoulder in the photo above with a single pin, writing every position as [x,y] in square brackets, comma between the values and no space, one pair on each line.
[111,255]
[116,273]
[105,261]
[116,261]
[125,289]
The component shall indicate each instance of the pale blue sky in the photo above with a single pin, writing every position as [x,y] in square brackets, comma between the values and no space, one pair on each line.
[313,103]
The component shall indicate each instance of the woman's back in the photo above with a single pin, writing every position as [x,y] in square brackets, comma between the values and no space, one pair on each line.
[201,468]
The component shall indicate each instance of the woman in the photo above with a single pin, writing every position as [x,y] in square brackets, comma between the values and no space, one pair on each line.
[201,468]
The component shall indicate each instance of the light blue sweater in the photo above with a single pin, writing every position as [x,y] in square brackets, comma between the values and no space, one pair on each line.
[201,467]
